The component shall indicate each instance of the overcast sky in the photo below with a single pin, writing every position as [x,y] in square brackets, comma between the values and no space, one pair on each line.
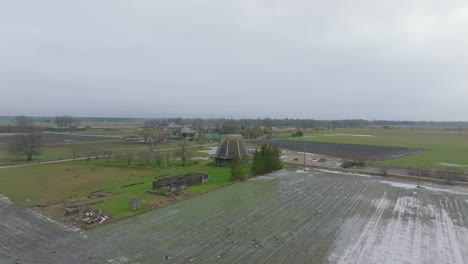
[328,59]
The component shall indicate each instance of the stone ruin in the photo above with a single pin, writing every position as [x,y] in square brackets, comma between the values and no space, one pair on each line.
[177,183]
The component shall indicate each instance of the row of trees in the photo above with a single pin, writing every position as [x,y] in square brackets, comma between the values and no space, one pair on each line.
[66,121]
[182,153]
[152,134]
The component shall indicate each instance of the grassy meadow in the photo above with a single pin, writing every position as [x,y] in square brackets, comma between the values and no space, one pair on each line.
[38,184]
[442,146]
[79,149]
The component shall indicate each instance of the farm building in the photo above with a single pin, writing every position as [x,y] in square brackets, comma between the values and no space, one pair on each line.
[187,131]
[283,129]
[230,147]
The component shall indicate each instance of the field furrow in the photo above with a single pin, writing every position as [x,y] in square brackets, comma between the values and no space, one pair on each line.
[315,217]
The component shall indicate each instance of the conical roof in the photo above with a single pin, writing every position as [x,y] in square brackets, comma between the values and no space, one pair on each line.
[231,146]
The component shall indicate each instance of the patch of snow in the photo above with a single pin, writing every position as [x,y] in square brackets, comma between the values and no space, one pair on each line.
[310,154]
[454,165]
[119,260]
[344,173]
[435,189]
[414,232]
[200,158]
[400,184]
[5,199]
[429,188]
[210,151]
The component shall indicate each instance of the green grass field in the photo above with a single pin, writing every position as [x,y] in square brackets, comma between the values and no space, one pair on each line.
[113,132]
[66,150]
[42,183]
[442,146]
[6,121]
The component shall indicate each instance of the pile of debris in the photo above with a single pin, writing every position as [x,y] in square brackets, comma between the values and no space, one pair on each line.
[95,216]
[99,194]
[71,210]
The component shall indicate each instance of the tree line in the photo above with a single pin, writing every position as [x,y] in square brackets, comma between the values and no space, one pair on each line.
[66,121]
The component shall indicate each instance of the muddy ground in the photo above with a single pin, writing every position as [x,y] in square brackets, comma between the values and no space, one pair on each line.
[346,151]
[285,217]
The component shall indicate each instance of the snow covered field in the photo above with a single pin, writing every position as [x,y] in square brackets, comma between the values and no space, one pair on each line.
[284,217]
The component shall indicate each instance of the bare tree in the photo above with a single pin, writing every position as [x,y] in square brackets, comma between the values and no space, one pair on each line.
[183,153]
[157,136]
[75,150]
[90,152]
[108,155]
[128,158]
[145,133]
[64,121]
[27,138]
[117,157]
[168,157]
[144,156]
[96,154]
[158,159]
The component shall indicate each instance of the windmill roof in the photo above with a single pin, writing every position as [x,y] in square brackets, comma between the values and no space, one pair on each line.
[231,146]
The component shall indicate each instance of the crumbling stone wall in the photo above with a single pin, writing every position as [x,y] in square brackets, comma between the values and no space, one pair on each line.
[182,181]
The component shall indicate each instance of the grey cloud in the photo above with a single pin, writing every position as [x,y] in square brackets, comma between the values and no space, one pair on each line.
[312,59]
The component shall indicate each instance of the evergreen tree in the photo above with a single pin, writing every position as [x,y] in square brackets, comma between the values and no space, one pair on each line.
[267,160]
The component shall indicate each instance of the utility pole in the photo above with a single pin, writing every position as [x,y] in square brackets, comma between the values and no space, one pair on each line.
[419,175]
[304,156]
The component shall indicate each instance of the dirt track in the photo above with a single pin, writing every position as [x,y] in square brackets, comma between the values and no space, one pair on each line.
[286,217]
[346,151]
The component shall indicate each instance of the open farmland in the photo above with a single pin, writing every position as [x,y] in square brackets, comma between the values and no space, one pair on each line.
[347,151]
[284,217]
[81,146]
[72,182]
[53,138]
[444,149]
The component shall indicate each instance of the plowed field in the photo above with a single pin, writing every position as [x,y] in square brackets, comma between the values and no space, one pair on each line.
[347,151]
[285,217]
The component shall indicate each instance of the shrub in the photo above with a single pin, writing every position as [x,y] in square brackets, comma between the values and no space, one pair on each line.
[353,163]
[298,133]
[236,170]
